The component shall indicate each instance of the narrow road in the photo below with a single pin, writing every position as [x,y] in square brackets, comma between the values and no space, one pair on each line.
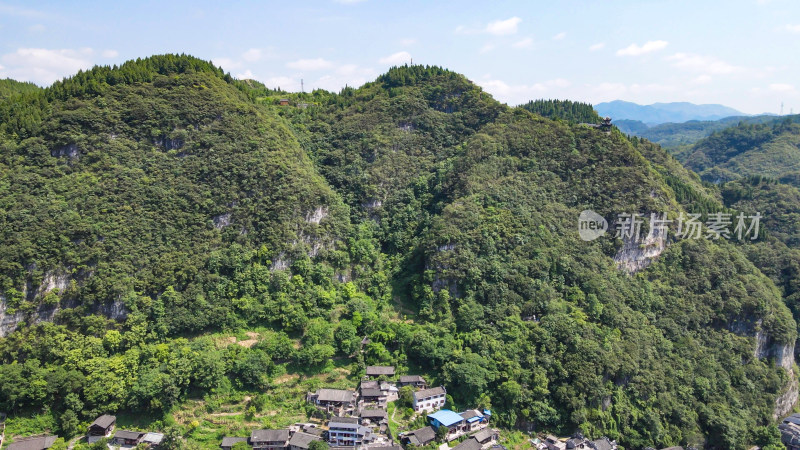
[73,441]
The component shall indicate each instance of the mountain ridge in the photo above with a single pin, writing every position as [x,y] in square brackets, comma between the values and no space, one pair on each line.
[657,113]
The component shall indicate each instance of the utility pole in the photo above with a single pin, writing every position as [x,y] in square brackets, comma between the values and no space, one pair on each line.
[781,108]
[302,89]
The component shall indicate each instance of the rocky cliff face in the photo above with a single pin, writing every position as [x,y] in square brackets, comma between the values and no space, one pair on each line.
[46,313]
[783,356]
[637,255]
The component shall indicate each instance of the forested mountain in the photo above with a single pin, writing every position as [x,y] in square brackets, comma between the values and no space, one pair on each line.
[148,206]
[9,87]
[769,149]
[575,112]
[687,133]
[664,112]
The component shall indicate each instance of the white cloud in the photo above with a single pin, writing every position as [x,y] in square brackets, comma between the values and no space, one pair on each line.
[247,74]
[525,43]
[7,10]
[396,58]
[520,93]
[407,41]
[252,55]
[596,47]
[226,63]
[503,27]
[559,36]
[636,50]
[44,66]
[700,63]
[109,54]
[310,64]
[792,28]
[781,87]
[38,28]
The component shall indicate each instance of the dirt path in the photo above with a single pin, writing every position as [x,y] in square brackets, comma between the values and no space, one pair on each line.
[73,441]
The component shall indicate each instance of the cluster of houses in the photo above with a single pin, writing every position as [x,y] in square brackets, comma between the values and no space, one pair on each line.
[358,418]
[102,427]
[577,442]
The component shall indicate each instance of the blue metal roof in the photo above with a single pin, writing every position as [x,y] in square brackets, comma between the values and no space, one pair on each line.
[445,417]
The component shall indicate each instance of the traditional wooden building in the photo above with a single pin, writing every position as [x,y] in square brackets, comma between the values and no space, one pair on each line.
[269,439]
[103,425]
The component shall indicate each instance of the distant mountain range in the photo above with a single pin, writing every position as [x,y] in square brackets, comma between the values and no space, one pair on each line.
[664,112]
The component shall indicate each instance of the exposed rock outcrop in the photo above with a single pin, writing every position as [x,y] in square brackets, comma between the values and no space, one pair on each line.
[317,215]
[636,255]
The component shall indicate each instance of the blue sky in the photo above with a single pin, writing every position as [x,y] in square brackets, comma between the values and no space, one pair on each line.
[742,54]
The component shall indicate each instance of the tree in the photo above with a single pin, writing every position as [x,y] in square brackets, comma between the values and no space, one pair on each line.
[441,433]
[69,423]
[406,396]
[318,445]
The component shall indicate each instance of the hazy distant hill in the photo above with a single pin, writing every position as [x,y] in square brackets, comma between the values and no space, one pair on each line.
[674,134]
[664,112]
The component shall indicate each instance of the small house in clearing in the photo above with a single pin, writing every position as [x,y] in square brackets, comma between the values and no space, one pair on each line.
[334,399]
[126,438]
[103,425]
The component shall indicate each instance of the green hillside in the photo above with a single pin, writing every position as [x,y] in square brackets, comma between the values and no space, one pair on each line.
[769,149]
[415,210]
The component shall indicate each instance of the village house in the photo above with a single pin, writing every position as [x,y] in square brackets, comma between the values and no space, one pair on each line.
[486,437]
[448,419]
[389,391]
[468,444]
[380,371]
[603,443]
[348,432]
[375,396]
[269,439]
[102,426]
[429,399]
[473,420]
[301,440]
[126,438]
[419,437]
[283,101]
[373,416]
[152,440]
[553,443]
[412,380]
[33,443]
[228,442]
[334,400]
